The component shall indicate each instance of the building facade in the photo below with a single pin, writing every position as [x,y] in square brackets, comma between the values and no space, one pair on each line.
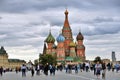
[66,49]
[9,63]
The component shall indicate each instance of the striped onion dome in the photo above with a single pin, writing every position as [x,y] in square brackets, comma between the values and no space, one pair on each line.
[50,38]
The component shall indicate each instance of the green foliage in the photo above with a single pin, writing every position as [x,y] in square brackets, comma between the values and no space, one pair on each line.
[76,59]
[36,62]
[97,59]
[47,58]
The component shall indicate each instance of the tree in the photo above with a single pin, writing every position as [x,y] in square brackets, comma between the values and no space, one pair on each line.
[97,59]
[76,59]
[36,62]
[47,58]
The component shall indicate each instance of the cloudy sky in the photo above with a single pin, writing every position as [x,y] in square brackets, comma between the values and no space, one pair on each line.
[24,25]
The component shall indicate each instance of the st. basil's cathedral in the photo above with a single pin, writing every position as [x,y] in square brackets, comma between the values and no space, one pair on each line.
[66,49]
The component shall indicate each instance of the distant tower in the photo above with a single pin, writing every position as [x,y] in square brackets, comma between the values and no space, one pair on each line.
[113,56]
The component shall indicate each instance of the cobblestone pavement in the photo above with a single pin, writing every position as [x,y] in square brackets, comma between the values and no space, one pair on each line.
[60,76]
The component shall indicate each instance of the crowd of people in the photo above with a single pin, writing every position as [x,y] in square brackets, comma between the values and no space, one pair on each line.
[98,68]
[39,68]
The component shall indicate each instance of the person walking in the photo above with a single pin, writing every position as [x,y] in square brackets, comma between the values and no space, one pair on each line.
[54,69]
[46,68]
[32,71]
[98,69]
[70,68]
[103,70]
[81,67]
[38,69]
[76,69]
[23,68]
[66,68]
[1,70]
[113,67]
[109,66]
[51,69]
[87,66]
[94,69]
[117,67]
[16,69]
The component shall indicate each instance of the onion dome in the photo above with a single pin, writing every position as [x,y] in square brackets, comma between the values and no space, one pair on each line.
[79,36]
[60,38]
[72,44]
[66,12]
[50,38]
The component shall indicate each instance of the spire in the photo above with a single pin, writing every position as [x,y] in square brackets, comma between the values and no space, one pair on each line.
[50,29]
[66,23]
[80,29]
[66,28]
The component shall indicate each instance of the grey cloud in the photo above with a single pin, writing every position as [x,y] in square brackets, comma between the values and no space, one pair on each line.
[44,20]
[103,19]
[15,5]
[0,17]
[18,36]
[102,30]
[96,29]
[104,42]
[107,28]
[100,20]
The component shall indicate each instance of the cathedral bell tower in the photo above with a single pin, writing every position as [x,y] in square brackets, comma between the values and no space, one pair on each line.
[67,33]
